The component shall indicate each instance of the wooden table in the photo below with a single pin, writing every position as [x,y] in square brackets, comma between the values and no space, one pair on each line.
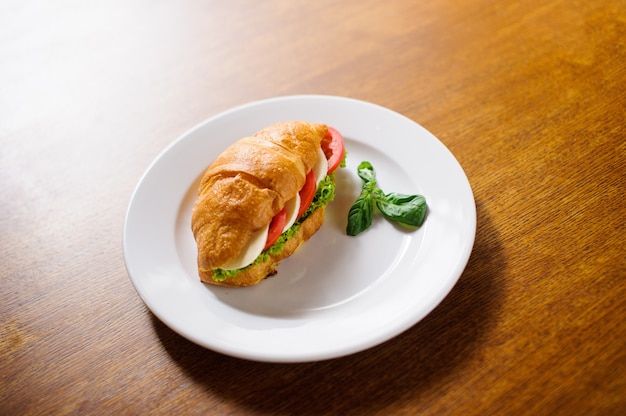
[530,96]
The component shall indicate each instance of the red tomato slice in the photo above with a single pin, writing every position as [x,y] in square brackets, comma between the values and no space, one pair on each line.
[307,193]
[276,228]
[333,147]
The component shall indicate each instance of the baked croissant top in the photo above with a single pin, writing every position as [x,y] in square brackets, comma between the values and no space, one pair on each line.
[248,184]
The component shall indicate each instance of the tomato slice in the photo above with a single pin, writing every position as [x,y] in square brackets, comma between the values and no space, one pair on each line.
[307,193]
[276,228]
[334,149]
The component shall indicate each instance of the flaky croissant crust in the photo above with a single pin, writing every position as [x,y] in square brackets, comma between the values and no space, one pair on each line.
[248,184]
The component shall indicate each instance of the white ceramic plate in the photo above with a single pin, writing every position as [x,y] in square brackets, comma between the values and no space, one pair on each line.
[338,294]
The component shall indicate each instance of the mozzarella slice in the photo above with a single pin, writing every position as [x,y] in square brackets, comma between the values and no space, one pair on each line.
[251,252]
[320,170]
[292,207]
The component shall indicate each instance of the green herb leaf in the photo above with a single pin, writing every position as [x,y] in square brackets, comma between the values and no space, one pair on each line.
[366,172]
[404,209]
[360,214]
[408,210]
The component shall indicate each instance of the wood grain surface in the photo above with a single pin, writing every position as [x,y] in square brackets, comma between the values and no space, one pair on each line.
[530,96]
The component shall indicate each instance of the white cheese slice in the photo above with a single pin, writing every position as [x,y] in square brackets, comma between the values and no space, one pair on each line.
[320,170]
[292,207]
[253,250]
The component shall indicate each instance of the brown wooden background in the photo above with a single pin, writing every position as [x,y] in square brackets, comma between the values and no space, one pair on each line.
[530,96]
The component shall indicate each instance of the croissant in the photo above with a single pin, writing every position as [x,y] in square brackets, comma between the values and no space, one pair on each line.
[244,189]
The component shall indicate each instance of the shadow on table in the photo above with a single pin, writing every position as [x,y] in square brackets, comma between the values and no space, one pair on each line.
[408,368]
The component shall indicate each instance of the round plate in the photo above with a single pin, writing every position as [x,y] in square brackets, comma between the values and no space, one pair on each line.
[338,294]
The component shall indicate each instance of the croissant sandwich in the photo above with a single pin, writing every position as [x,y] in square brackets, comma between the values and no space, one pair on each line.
[262,198]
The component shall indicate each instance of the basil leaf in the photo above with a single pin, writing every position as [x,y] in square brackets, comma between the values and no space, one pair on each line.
[404,209]
[366,172]
[408,210]
[360,214]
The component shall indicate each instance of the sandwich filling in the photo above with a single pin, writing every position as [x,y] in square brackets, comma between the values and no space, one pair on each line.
[257,252]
